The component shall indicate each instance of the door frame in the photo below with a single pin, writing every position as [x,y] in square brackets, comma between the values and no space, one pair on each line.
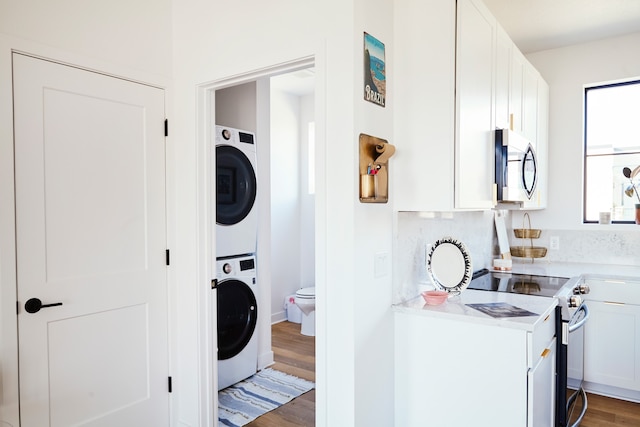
[9,386]
[205,110]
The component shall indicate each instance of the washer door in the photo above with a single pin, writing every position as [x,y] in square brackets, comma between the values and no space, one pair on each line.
[236,185]
[237,317]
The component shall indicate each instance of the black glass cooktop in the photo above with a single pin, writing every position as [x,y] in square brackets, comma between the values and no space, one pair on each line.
[546,286]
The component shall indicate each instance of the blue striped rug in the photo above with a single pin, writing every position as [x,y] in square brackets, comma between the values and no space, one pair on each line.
[245,401]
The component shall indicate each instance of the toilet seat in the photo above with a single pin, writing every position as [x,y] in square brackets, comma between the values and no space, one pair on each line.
[306,293]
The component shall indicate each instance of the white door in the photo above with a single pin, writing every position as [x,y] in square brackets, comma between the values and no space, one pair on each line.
[91,234]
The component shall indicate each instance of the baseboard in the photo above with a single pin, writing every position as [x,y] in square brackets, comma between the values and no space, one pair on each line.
[278,317]
[615,392]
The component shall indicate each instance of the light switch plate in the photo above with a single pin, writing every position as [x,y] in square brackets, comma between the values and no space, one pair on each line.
[381,264]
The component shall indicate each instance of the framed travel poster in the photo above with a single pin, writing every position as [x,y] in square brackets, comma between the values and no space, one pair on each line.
[375,82]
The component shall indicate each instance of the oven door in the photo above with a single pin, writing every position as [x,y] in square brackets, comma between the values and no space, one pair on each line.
[575,397]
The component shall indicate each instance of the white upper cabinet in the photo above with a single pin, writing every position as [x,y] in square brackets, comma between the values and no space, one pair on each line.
[422,168]
[524,96]
[541,146]
[504,46]
[474,148]
[458,77]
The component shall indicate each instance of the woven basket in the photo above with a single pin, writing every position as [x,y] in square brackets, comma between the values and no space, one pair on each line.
[528,251]
[528,233]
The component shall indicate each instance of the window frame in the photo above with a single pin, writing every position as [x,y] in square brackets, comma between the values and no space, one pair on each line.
[586,156]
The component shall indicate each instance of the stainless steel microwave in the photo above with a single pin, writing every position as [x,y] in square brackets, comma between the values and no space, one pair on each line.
[516,163]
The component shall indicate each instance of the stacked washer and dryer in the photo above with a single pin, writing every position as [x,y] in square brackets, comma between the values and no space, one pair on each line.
[236,236]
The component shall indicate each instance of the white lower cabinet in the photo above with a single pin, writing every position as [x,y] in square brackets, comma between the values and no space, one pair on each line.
[541,389]
[612,338]
[612,346]
[455,373]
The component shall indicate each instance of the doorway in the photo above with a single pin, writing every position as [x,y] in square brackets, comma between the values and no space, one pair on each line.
[284,168]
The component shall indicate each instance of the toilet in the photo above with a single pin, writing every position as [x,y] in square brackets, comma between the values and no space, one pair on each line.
[306,301]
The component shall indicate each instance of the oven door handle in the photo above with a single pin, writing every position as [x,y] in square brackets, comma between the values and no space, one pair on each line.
[585,309]
[584,408]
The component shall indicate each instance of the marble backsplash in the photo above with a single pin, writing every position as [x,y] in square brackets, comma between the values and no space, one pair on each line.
[620,247]
[415,231]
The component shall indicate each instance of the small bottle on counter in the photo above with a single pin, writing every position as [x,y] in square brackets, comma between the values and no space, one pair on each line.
[502,264]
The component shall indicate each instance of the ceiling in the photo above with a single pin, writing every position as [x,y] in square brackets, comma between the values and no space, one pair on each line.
[536,25]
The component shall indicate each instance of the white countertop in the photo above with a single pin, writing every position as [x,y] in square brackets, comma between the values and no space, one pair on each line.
[456,308]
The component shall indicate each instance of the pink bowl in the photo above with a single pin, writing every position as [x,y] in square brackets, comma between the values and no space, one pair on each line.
[435,297]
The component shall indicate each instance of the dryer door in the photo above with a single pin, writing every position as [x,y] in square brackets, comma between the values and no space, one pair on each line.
[236,185]
[237,317]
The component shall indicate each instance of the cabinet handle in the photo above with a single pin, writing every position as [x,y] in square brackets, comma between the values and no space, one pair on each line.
[545,352]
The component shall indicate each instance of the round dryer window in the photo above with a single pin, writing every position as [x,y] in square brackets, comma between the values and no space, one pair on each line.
[235,185]
[237,317]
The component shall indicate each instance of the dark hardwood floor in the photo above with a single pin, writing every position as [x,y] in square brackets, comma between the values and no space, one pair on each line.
[295,354]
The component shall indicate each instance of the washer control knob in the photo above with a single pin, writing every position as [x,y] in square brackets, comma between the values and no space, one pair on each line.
[574,301]
[226,268]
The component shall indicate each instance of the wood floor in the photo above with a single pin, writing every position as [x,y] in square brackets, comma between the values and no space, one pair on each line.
[606,412]
[295,354]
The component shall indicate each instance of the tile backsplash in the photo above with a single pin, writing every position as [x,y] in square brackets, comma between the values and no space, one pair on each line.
[416,231]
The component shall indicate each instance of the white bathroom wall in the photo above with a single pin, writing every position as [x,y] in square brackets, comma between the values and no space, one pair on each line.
[292,207]
[236,107]
[285,199]
[307,201]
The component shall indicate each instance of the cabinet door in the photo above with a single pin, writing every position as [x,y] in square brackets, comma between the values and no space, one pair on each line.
[530,103]
[542,389]
[475,53]
[503,76]
[612,345]
[422,168]
[516,91]
[539,199]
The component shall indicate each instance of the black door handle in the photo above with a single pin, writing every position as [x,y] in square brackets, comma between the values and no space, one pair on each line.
[34,305]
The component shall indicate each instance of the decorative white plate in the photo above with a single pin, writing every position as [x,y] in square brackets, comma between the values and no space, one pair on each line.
[449,265]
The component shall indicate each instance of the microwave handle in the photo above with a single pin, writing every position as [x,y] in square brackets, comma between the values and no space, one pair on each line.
[581,323]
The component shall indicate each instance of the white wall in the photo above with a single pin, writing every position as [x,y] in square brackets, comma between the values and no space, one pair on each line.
[292,208]
[117,37]
[236,107]
[214,46]
[307,201]
[567,70]
[285,199]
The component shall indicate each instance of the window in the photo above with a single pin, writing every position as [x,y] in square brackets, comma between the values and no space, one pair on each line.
[612,142]
[311,158]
